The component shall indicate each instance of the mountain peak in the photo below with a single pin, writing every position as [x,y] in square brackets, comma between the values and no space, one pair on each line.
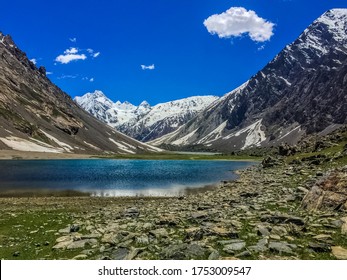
[336,22]
[145,104]
[98,93]
[37,116]
[301,91]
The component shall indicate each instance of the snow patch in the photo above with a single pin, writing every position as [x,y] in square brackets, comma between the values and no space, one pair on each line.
[65,146]
[296,128]
[121,146]
[184,140]
[92,146]
[255,136]
[24,145]
[214,135]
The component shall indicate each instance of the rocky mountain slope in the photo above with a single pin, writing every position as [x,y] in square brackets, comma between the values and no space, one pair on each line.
[303,90]
[36,116]
[143,122]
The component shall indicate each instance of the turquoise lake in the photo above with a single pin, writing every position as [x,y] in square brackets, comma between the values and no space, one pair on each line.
[102,177]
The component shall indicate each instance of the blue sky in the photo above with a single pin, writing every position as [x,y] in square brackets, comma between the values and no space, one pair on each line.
[155,50]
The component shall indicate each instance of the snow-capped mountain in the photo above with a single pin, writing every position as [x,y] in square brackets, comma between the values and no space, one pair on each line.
[37,116]
[143,122]
[303,90]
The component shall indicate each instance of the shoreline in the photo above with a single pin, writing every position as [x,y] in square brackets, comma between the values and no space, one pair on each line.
[20,155]
[257,216]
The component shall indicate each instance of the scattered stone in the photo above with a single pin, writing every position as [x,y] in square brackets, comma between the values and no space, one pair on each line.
[81,243]
[194,233]
[320,247]
[159,233]
[339,252]
[169,220]
[344,225]
[64,239]
[80,257]
[147,226]
[143,239]
[322,237]
[120,254]
[131,212]
[62,245]
[262,230]
[199,216]
[214,255]
[16,254]
[223,232]
[64,230]
[261,246]
[74,228]
[237,245]
[283,219]
[243,254]
[280,247]
[184,252]
[133,253]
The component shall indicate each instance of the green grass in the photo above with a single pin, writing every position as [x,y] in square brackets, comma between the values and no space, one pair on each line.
[32,234]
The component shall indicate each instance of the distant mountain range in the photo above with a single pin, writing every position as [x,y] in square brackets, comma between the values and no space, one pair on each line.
[143,122]
[303,90]
[36,116]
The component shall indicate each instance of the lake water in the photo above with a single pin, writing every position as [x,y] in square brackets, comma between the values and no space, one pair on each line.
[102,177]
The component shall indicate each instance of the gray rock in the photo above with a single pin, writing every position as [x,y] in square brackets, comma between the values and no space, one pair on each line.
[80,257]
[159,233]
[279,230]
[184,252]
[243,254]
[283,219]
[214,255]
[16,254]
[64,230]
[62,245]
[237,245]
[261,246]
[143,239]
[202,215]
[120,254]
[320,247]
[262,230]
[339,252]
[74,228]
[194,233]
[81,243]
[280,247]
[131,212]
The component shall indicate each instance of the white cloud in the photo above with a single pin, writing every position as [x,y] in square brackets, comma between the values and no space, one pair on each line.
[67,58]
[33,60]
[73,40]
[237,21]
[49,73]
[71,51]
[73,54]
[91,80]
[149,67]
[67,77]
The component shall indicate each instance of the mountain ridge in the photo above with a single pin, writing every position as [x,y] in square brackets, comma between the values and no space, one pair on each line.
[37,116]
[301,91]
[143,122]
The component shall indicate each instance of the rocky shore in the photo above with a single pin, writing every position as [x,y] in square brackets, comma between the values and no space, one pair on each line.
[277,210]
